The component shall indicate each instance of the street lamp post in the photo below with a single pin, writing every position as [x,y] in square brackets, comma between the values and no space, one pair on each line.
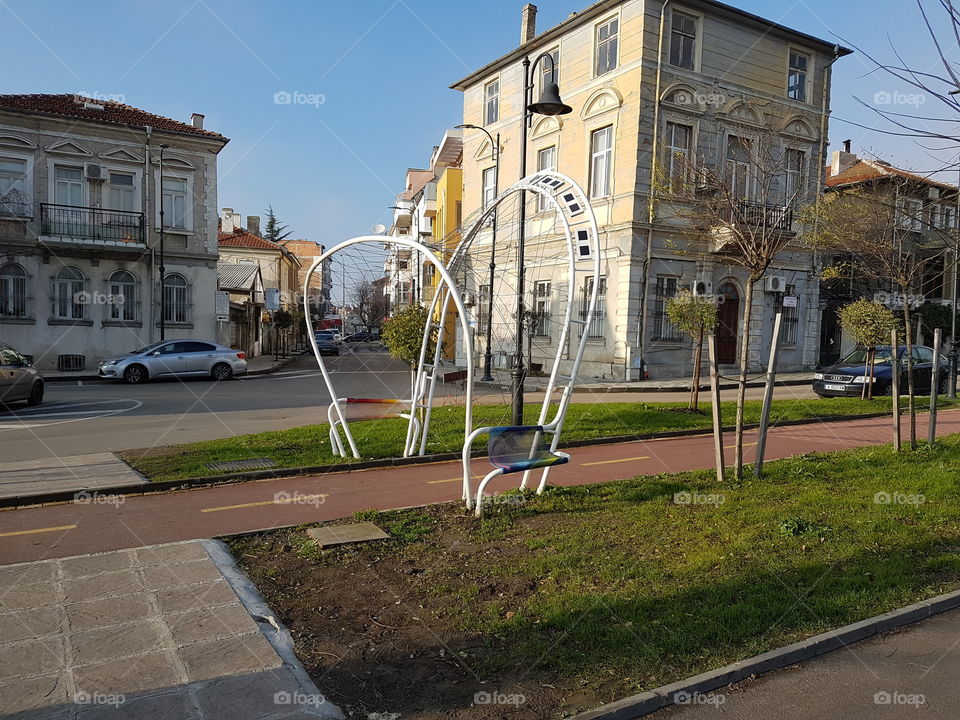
[488,352]
[163,323]
[549,104]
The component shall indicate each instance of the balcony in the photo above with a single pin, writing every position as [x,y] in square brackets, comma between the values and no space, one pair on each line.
[91,226]
[775,217]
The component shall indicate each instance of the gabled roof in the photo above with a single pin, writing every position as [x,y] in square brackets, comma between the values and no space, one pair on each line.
[868,171]
[237,276]
[101,111]
[242,239]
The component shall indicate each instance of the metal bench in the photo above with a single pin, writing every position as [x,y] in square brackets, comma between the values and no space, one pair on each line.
[360,409]
[511,449]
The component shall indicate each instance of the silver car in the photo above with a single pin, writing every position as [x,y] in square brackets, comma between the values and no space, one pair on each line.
[19,379]
[174,358]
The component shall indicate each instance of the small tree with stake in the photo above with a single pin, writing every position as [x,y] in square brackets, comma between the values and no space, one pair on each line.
[870,324]
[695,315]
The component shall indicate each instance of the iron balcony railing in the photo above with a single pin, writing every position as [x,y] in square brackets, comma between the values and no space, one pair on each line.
[97,224]
[775,217]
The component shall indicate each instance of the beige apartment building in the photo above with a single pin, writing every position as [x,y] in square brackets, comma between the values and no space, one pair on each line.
[689,82]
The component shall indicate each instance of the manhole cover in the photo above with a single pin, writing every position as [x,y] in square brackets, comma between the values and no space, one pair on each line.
[251,464]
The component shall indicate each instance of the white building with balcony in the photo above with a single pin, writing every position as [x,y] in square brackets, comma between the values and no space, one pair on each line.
[82,196]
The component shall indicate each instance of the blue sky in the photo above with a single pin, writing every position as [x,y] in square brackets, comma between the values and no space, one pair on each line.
[382,68]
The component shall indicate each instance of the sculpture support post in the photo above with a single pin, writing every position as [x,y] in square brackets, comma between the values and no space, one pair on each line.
[768,395]
[934,385]
[715,403]
[895,387]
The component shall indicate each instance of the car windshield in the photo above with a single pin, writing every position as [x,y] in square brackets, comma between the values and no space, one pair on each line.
[145,349]
[861,356]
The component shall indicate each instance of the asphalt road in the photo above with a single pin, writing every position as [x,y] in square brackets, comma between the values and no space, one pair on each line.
[78,418]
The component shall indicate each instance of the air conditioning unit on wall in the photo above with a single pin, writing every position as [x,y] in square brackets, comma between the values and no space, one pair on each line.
[702,287]
[93,171]
[775,284]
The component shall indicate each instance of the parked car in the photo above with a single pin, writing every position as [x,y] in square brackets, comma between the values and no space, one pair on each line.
[337,336]
[327,343]
[173,358]
[19,379]
[847,377]
[359,337]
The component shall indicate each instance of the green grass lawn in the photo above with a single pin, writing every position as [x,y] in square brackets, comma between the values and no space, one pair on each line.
[590,593]
[309,445]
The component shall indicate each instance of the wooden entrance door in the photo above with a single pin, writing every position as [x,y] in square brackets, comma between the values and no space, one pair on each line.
[728,322]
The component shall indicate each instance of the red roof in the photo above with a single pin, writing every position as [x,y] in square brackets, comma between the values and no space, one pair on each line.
[242,239]
[866,170]
[112,113]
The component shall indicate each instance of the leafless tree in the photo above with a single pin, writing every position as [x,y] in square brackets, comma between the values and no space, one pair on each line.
[370,303]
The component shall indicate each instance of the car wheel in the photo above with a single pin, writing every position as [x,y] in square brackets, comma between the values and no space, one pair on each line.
[135,374]
[221,371]
[36,394]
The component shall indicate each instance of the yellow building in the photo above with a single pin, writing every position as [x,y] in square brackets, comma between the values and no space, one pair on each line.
[664,79]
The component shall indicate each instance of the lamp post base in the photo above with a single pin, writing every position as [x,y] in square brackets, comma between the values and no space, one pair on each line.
[487,368]
[516,390]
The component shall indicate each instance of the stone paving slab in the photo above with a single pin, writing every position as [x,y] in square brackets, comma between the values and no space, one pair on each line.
[156,633]
[343,534]
[70,472]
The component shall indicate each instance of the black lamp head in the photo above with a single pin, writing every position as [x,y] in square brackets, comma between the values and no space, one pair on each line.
[550,102]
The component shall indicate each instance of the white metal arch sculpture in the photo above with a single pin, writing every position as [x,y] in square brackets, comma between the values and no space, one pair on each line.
[582,241]
[446,281]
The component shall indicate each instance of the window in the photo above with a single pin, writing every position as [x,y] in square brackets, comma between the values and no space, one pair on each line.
[489,186]
[663,329]
[933,280]
[678,155]
[68,185]
[935,221]
[491,102]
[739,173]
[797,76]
[483,302]
[120,192]
[541,308]
[174,203]
[176,299]
[124,301]
[198,347]
[606,57]
[13,291]
[790,319]
[14,199]
[546,160]
[793,186]
[69,294]
[910,214]
[948,217]
[923,354]
[601,159]
[683,40]
[595,330]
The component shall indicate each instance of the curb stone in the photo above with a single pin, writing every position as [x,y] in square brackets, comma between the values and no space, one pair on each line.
[648,702]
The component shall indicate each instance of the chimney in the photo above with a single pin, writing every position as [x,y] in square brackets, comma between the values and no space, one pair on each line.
[528,23]
[846,146]
[197,121]
[253,224]
[843,159]
[228,220]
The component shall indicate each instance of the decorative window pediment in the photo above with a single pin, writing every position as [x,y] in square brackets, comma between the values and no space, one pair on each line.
[173,163]
[546,125]
[601,101]
[122,155]
[799,127]
[70,148]
[16,142]
[743,112]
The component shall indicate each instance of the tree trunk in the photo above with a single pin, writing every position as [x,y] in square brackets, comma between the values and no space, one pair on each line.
[697,357]
[911,404]
[742,381]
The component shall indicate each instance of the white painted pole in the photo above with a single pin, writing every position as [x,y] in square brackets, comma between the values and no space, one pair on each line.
[768,394]
[934,385]
[715,402]
[895,387]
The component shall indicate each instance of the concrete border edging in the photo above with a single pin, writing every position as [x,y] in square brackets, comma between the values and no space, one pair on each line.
[647,702]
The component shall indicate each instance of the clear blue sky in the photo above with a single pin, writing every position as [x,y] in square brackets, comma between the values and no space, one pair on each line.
[383,67]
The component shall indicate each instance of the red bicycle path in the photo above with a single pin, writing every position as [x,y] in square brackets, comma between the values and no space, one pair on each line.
[65,529]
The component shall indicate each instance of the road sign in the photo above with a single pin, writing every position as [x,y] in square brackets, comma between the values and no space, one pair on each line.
[222,306]
[273,298]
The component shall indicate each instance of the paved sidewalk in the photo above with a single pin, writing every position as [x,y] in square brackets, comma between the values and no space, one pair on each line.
[906,673]
[74,472]
[588,385]
[155,633]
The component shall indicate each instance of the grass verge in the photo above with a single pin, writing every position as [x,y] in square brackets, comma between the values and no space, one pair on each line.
[591,593]
[309,445]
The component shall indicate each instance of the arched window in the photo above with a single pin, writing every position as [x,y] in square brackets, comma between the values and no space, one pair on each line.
[70,296]
[176,299]
[123,296]
[13,291]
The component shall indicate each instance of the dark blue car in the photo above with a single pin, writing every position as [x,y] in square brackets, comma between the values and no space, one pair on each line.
[847,377]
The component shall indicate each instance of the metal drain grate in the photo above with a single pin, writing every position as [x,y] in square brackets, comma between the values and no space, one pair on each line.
[251,464]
